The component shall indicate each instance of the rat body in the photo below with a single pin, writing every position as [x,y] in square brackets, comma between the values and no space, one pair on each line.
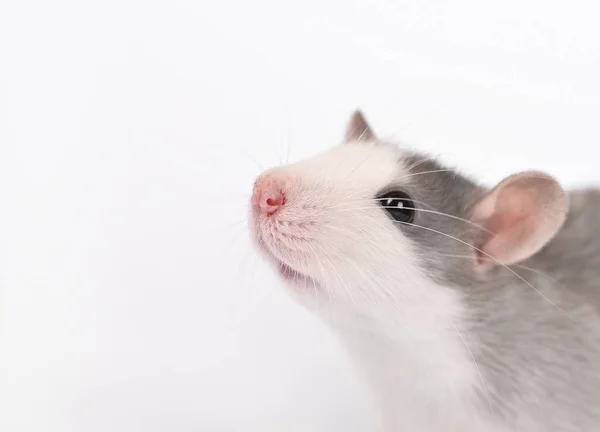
[466,308]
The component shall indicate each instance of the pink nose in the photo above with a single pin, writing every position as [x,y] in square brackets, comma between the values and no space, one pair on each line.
[268,196]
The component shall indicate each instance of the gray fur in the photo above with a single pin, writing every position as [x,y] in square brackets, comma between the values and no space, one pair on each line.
[540,362]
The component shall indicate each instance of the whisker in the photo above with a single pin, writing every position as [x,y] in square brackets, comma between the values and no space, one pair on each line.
[363,134]
[315,290]
[373,151]
[288,150]
[451,217]
[493,259]
[537,271]
[402,128]
[411,199]
[236,236]
[338,277]
[343,159]
[487,394]
[424,172]
[280,150]
[531,269]
[416,164]
[258,165]
[369,201]
[352,131]
[322,273]
[428,211]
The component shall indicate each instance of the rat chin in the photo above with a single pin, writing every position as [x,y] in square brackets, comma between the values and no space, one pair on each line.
[287,273]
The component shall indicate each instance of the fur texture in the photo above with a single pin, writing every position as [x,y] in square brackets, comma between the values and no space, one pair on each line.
[444,346]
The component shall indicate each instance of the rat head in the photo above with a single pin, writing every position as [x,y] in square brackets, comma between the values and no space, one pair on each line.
[368,222]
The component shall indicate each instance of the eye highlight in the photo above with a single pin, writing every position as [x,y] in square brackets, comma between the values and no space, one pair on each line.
[398,205]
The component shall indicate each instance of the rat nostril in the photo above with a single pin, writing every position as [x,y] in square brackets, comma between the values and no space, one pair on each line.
[272,201]
[268,196]
[275,201]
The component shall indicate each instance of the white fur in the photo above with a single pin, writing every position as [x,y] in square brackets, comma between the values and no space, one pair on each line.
[405,337]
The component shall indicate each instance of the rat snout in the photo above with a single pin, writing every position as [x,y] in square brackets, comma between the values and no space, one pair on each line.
[268,195]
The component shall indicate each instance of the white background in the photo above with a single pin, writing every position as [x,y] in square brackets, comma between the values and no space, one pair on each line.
[130,133]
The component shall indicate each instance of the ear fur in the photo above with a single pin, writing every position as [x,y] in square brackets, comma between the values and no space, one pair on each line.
[358,128]
[523,213]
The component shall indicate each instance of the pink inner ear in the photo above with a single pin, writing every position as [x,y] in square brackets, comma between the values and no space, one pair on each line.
[522,216]
[511,230]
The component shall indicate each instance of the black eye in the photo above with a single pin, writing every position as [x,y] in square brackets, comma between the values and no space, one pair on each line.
[398,205]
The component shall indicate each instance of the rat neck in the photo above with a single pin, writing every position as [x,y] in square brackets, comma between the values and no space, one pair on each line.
[411,356]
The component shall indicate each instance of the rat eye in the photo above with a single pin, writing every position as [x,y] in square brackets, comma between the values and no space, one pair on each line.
[398,205]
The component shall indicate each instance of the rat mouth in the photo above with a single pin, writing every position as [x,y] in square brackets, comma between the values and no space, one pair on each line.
[287,272]
[291,275]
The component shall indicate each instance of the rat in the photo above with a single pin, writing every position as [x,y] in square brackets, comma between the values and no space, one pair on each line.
[464,308]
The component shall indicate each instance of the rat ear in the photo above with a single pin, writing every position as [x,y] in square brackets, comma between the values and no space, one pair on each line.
[358,129]
[522,213]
